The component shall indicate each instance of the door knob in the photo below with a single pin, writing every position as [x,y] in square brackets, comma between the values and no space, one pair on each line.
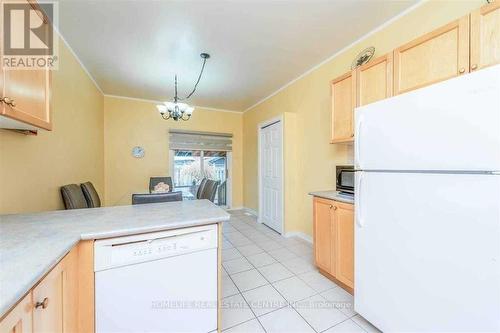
[43,304]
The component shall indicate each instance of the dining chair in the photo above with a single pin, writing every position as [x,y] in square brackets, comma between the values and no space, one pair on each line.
[73,197]
[91,195]
[145,198]
[153,181]
[209,190]
[200,188]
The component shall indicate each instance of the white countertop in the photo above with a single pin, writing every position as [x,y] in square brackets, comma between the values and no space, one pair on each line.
[334,195]
[32,244]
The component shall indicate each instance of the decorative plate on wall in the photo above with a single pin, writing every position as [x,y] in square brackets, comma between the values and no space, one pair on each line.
[138,152]
[363,57]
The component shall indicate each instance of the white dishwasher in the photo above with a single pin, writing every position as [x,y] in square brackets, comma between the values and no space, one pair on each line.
[157,282]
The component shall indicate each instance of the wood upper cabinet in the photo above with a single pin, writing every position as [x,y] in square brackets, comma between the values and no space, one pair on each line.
[28,92]
[344,221]
[322,234]
[55,307]
[374,80]
[485,36]
[26,95]
[19,319]
[334,240]
[434,57]
[343,93]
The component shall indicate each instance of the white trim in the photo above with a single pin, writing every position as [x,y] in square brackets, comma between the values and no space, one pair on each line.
[229,179]
[78,60]
[377,29]
[279,119]
[300,235]
[160,102]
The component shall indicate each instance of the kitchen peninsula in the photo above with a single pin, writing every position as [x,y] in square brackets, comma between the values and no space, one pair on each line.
[59,246]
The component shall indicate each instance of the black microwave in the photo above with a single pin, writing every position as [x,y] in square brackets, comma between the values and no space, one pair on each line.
[345,179]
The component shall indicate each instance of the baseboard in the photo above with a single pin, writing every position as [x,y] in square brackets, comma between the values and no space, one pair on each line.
[251,211]
[235,208]
[300,235]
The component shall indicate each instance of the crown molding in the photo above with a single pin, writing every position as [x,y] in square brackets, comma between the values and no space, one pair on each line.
[159,102]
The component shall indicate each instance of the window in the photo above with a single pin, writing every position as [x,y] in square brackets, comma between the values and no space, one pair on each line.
[198,155]
[191,166]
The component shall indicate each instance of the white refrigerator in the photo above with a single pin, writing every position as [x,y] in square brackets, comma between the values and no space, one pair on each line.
[427,208]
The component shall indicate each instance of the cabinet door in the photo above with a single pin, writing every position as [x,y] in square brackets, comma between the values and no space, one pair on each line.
[344,221]
[434,57]
[374,80]
[322,234]
[19,319]
[55,298]
[48,302]
[343,92]
[485,36]
[29,91]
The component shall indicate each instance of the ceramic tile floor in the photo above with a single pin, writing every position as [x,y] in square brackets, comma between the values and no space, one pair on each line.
[270,285]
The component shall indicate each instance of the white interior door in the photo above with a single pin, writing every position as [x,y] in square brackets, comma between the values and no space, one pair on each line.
[271,175]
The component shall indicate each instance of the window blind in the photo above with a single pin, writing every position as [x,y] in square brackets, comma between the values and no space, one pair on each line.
[191,140]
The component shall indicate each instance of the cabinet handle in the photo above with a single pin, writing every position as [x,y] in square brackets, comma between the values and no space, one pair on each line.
[473,67]
[334,207]
[331,206]
[43,304]
[462,70]
[352,135]
[8,101]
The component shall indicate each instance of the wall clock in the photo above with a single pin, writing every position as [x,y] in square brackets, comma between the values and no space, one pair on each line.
[138,152]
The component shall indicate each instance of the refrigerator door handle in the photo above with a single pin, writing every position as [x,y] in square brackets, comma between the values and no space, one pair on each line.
[357,139]
[357,207]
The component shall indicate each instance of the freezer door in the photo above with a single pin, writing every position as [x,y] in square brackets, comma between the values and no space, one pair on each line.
[452,125]
[427,251]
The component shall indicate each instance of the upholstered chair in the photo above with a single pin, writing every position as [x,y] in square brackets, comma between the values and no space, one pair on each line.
[73,197]
[200,188]
[91,195]
[153,181]
[141,198]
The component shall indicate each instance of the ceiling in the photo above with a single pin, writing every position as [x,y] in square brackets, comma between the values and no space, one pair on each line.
[134,48]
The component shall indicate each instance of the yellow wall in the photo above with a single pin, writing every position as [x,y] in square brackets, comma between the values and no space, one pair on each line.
[313,163]
[32,168]
[129,123]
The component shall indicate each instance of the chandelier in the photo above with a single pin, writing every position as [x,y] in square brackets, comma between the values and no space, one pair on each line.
[177,110]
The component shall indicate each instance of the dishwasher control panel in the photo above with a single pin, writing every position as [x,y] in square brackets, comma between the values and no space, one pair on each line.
[121,251]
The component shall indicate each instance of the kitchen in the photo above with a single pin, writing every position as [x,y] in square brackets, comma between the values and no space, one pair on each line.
[391,130]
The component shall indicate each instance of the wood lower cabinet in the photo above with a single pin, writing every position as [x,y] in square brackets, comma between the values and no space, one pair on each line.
[61,302]
[20,318]
[343,91]
[55,307]
[334,240]
[436,56]
[323,222]
[344,243]
[374,80]
[485,36]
